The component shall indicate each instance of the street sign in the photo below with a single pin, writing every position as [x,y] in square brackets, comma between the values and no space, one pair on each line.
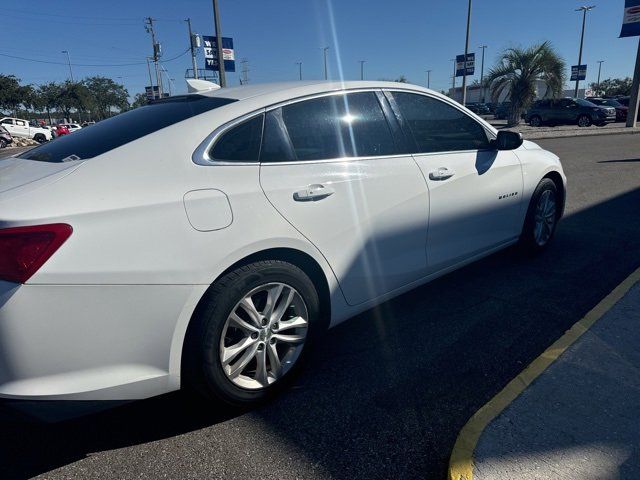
[211,53]
[631,19]
[471,62]
[152,92]
[578,75]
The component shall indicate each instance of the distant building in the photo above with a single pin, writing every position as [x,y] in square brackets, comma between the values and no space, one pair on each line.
[475,93]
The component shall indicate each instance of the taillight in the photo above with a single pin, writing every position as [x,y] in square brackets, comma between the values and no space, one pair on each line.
[23,250]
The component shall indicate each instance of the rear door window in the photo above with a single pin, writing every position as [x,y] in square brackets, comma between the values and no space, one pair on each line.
[124,128]
[241,143]
[334,126]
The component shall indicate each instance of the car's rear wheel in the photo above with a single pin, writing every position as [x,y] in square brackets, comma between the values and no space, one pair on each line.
[584,121]
[542,217]
[535,121]
[3,143]
[251,332]
[40,138]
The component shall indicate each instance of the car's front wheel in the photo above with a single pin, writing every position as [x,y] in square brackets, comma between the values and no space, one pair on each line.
[3,143]
[251,332]
[584,121]
[542,217]
[535,121]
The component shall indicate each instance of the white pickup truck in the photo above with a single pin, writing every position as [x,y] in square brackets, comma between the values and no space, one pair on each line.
[21,128]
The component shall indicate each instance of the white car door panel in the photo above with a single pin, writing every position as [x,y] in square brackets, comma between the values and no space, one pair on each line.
[368,216]
[475,190]
[474,209]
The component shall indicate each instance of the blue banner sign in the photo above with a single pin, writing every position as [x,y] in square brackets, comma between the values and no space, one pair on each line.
[578,74]
[211,53]
[631,19]
[471,64]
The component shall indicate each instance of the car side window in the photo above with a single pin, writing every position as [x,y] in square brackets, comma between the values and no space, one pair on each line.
[439,127]
[241,143]
[334,126]
[20,123]
[7,121]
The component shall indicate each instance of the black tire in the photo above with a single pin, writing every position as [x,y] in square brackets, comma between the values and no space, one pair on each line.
[528,242]
[535,121]
[40,138]
[202,368]
[3,143]
[584,120]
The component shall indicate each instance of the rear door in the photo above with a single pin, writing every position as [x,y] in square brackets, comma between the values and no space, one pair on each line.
[331,167]
[474,190]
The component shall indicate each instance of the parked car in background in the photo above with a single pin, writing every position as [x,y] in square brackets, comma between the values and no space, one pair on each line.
[478,108]
[275,211]
[18,127]
[88,124]
[501,110]
[621,110]
[61,130]
[72,127]
[568,111]
[5,137]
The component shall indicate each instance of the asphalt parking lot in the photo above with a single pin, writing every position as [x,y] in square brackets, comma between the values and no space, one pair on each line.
[386,393]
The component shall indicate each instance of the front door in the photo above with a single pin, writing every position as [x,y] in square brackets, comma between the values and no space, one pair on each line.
[475,191]
[329,166]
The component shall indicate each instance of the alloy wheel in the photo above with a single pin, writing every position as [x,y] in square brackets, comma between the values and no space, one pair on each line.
[263,336]
[545,217]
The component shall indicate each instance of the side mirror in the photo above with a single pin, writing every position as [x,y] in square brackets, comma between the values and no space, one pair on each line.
[508,140]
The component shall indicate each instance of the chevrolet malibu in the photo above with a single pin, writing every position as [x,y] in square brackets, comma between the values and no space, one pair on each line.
[206,240]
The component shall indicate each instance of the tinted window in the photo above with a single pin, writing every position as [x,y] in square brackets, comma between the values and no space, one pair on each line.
[583,103]
[334,126]
[7,121]
[124,128]
[241,143]
[439,127]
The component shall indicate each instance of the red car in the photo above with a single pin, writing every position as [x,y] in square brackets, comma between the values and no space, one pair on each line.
[60,130]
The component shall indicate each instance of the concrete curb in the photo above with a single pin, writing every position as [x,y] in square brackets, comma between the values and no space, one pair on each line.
[461,461]
[579,133]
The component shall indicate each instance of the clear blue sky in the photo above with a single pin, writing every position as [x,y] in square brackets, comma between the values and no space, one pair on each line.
[399,37]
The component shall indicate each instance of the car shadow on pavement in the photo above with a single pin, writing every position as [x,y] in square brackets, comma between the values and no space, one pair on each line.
[385,394]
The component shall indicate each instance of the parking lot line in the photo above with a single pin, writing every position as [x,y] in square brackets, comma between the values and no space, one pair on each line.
[461,460]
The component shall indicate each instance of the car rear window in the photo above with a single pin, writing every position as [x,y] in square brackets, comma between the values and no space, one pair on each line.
[123,128]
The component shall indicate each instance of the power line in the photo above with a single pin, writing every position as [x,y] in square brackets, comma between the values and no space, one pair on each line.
[88,64]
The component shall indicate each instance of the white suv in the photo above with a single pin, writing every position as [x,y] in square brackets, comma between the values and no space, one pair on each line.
[207,239]
[22,129]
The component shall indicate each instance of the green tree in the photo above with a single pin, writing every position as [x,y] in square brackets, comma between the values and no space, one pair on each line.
[139,100]
[107,94]
[12,94]
[613,86]
[518,72]
[74,96]
[48,96]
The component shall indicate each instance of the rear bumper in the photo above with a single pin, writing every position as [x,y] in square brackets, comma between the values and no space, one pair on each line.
[110,342]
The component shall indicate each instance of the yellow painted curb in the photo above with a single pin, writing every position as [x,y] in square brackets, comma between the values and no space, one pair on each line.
[461,462]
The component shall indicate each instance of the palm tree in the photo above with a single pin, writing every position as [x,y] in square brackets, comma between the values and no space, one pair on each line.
[517,73]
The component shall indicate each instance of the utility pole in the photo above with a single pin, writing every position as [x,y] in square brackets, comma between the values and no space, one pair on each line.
[150,77]
[483,47]
[156,52]
[216,21]
[69,63]
[600,62]
[362,62]
[324,51]
[299,70]
[632,114]
[453,82]
[193,42]
[245,71]
[466,51]
[428,78]
[584,11]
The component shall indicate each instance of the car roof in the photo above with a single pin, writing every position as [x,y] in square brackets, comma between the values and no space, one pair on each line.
[301,88]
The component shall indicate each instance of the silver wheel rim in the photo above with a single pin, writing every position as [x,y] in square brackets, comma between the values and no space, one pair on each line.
[545,217]
[584,122]
[263,336]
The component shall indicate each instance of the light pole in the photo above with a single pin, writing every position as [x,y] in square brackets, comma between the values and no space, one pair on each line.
[600,62]
[216,21]
[483,47]
[584,11]
[428,78]
[362,62]
[69,63]
[466,51]
[299,70]
[324,52]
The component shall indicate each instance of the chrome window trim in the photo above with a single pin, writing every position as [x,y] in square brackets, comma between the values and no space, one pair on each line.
[201,154]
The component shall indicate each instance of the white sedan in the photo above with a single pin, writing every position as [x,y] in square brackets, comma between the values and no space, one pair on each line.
[206,239]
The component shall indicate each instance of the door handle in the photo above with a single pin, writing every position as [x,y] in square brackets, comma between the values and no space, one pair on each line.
[441,173]
[317,191]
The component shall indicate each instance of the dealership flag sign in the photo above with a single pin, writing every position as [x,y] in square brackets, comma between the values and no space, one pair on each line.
[631,20]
